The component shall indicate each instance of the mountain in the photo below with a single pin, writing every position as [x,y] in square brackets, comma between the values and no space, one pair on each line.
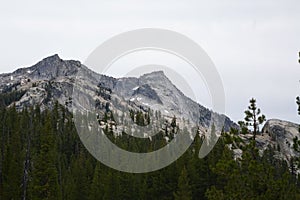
[54,79]
[37,144]
[48,79]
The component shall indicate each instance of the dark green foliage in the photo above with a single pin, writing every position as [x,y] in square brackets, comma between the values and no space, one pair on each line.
[262,178]
[184,190]
[44,183]
[42,157]
[48,87]
[104,92]
[140,118]
[295,161]
[12,164]
[296,144]
[253,118]
[7,98]
[298,104]
[10,87]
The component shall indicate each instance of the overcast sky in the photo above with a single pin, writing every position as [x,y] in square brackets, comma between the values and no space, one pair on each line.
[254,44]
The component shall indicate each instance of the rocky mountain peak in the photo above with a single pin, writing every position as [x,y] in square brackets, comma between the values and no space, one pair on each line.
[155,76]
[53,58]
[155,73]
[52,67]
[53,79]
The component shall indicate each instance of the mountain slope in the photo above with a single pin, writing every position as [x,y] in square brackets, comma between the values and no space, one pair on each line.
[53,79]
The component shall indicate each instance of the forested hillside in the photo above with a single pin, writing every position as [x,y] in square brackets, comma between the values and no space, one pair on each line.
[42,157]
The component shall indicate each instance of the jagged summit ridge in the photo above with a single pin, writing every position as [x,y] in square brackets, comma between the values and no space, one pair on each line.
[52,58]
[54,79]
[53,66]
[154,74]
[49,68]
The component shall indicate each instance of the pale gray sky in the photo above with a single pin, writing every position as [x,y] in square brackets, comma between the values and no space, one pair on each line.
[254,44]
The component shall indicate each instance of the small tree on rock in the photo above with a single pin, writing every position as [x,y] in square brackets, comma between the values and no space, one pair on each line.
[253,117]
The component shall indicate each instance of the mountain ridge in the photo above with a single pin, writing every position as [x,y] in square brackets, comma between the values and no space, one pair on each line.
[53,79]
[53,68]
[155,89]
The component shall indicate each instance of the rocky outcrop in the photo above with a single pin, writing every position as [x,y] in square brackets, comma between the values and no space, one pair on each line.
[282,134]
[276,134]
[53,67]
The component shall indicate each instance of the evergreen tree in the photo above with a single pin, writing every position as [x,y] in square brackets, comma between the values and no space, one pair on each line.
[96,190]
[184,190]
[45,177]
[60,167]
[253,117]
[13,161]
[298,104]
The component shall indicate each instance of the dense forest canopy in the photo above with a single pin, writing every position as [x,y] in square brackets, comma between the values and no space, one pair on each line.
[42,157]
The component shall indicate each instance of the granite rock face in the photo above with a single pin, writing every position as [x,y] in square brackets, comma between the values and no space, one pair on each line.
[276,134]
[282,134]
[54,79]
[53,67]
